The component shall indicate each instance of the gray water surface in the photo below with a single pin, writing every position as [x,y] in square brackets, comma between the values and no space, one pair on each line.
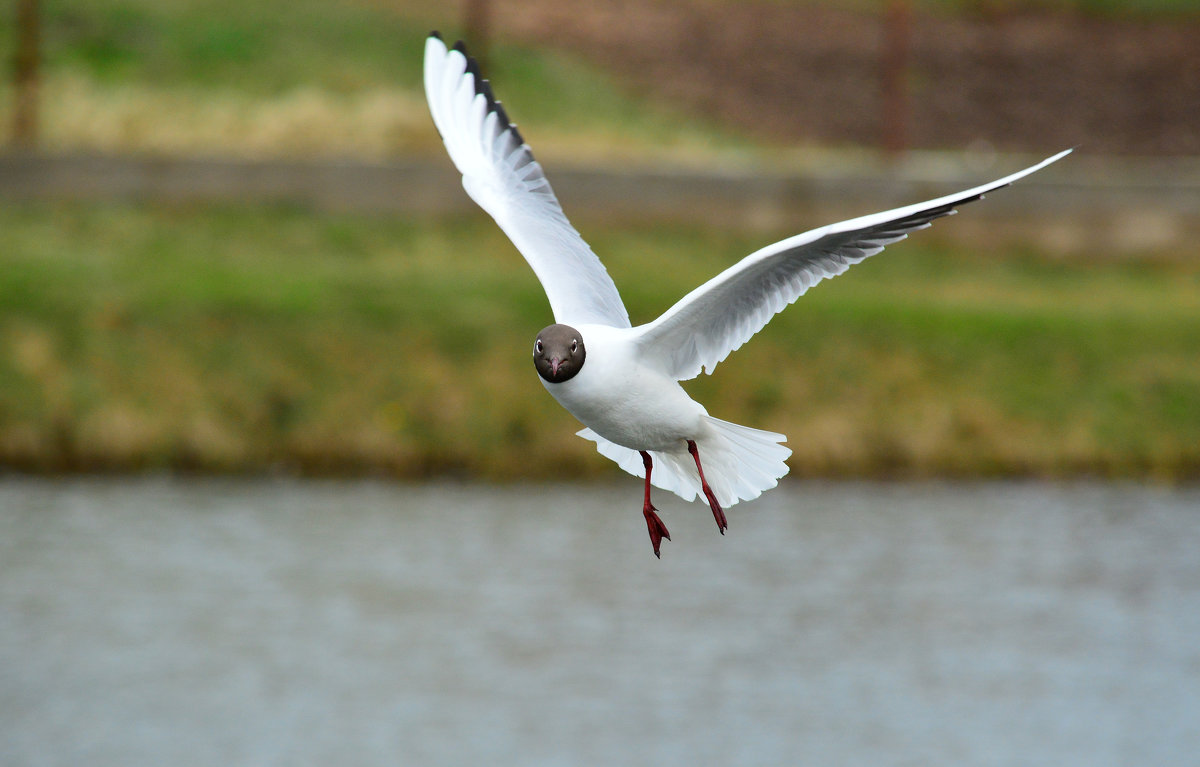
[170,622]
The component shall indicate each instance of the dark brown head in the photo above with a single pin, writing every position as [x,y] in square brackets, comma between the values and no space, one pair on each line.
[558,353]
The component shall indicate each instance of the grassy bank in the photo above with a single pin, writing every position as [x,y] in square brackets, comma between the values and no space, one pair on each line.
[226,339]
[305,78]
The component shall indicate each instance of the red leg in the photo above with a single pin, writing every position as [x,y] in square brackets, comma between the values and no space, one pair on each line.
[718,512]
[657,529]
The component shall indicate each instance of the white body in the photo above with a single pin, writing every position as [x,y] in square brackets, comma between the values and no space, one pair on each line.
[629,404]
[627,391]
[626,401]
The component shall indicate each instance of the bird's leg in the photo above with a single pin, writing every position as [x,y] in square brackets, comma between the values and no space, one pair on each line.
[718,512]
[657,529]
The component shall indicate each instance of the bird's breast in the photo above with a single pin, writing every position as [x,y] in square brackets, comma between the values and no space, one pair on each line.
[625,400]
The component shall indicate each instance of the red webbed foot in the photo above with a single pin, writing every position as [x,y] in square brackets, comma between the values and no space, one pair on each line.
[658,531]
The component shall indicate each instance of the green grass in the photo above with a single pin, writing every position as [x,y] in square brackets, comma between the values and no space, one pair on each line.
[261,47]
[304,77]
[243,339]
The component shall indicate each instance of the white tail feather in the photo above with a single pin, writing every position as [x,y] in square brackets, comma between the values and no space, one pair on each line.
[739,462]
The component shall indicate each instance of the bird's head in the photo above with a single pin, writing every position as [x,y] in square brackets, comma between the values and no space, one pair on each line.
[558,353]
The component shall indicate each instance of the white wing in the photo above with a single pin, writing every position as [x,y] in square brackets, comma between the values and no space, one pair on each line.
[722,314]
[500,174]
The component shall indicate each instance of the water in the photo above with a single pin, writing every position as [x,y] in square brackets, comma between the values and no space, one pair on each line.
[157,622]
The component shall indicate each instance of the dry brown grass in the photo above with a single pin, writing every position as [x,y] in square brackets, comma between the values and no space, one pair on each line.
[85,115]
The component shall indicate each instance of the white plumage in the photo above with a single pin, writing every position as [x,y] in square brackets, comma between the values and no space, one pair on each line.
[627,391]
[502,177]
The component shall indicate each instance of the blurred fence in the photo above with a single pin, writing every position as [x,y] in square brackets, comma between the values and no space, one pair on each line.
[1081,204]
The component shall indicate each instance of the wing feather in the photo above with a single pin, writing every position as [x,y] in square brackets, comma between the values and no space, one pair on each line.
[502,177]
[701,330]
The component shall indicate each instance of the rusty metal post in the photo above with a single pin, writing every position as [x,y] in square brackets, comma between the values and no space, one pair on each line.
[477,25]
[25,76]
[894,76]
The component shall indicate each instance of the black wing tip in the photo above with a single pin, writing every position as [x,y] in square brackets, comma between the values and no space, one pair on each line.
[436,35]
[502,115]
[516,133]
[484,87]
[472,64]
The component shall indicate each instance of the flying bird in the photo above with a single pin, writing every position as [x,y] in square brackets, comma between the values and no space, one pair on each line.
[621,381]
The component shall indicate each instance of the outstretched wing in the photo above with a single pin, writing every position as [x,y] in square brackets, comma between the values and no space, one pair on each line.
[500,174]
[722,314]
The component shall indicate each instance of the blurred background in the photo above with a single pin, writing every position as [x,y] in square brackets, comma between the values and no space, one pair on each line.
[279,484]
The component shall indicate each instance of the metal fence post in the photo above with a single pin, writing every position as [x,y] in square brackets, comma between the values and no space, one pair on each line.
[25,76]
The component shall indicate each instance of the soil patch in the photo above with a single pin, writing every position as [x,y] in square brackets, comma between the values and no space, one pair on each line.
[1016,81]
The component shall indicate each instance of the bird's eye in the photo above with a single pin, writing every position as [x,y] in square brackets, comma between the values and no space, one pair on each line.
[537,347]
[574,345]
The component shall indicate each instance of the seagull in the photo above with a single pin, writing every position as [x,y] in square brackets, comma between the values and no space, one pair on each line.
[620,381]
